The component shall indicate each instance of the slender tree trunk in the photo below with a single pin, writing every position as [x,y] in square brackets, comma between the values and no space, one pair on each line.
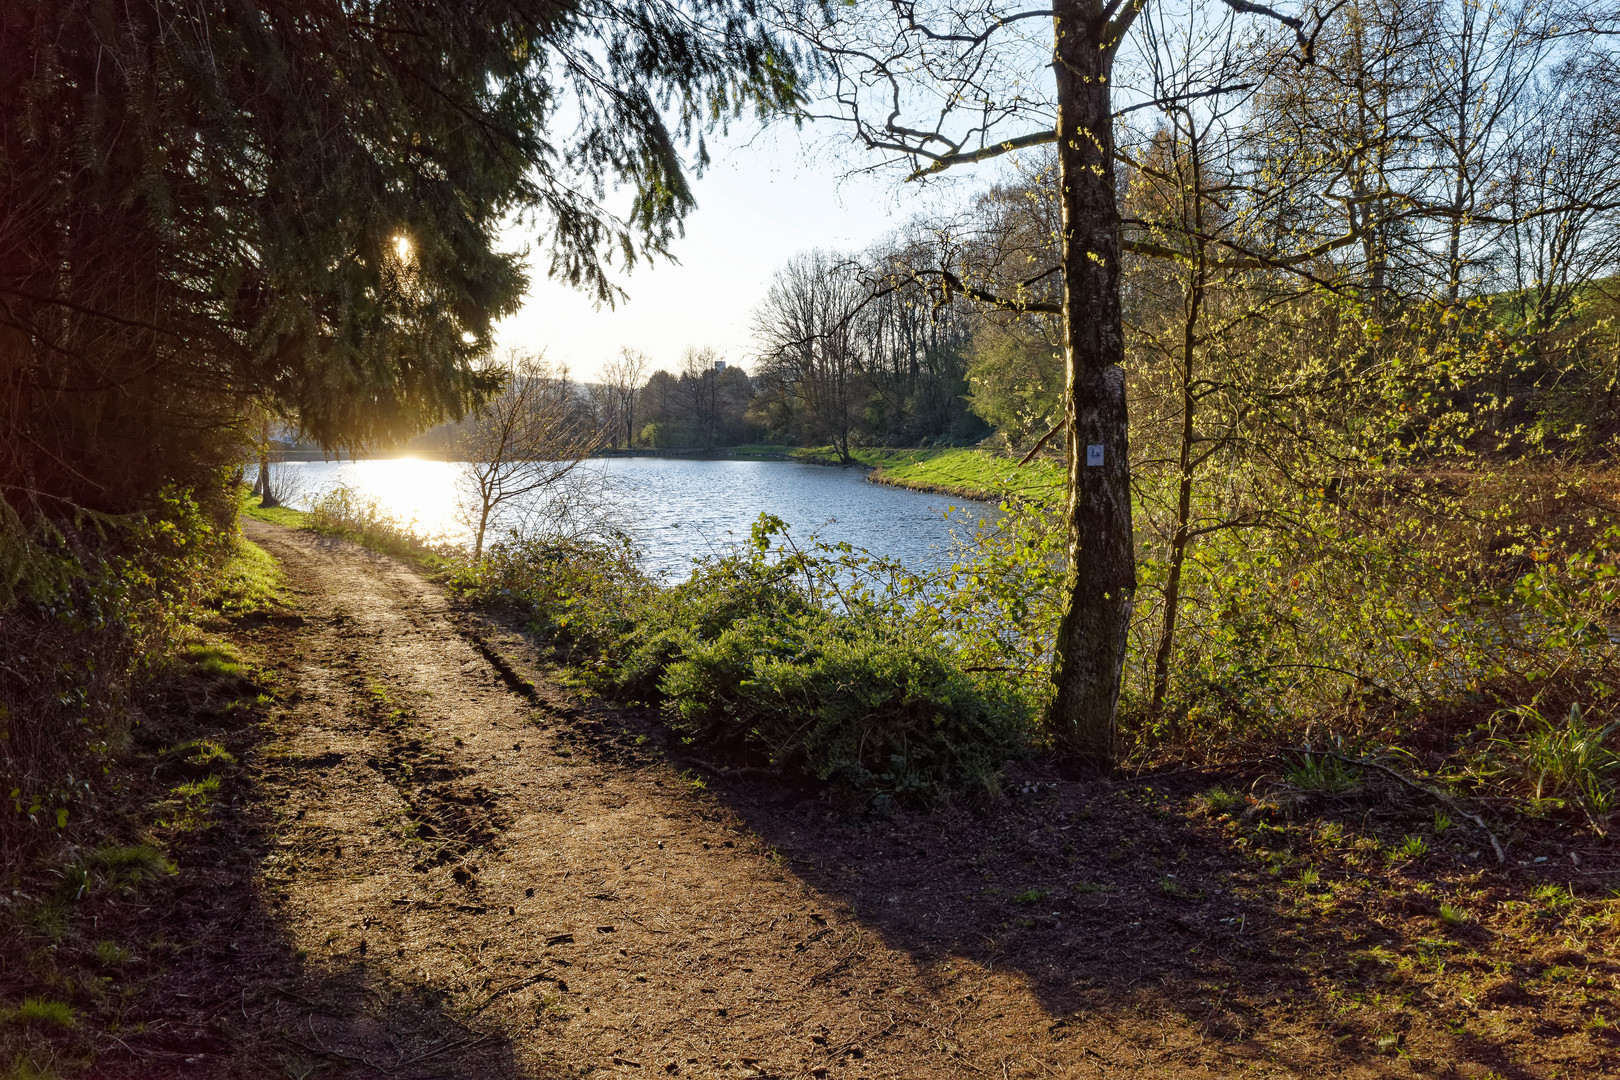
[1101,582]
[1197,276]
[486,501]
[1184,490]
[267,490]
[1454,240]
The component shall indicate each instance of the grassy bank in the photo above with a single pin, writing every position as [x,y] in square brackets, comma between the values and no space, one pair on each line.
[970,474]
[275,515]
[962,472]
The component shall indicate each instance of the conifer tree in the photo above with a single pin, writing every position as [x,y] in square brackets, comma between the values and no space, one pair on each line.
[212,204]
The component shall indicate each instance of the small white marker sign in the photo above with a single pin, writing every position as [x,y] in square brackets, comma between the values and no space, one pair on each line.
[1094,454]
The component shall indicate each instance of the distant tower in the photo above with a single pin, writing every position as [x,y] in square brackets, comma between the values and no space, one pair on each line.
[719,365]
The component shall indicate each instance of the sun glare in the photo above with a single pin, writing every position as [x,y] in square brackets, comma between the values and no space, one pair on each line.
[402,247]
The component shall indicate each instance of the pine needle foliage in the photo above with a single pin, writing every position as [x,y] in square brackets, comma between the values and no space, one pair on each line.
[209,206]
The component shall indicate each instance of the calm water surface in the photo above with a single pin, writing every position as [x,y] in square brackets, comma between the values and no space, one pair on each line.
[678,508]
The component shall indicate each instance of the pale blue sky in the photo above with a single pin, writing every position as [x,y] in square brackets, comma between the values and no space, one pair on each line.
[765,197]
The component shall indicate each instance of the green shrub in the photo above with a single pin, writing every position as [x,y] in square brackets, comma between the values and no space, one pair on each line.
[579,593]
[866,703]
[811,658]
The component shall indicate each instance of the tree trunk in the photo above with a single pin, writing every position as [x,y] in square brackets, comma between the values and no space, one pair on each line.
[1101,582]
[1192,311]
[1184,490]
[486,506]
[267,491]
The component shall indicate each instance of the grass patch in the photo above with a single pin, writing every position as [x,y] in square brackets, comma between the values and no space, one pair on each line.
[214,660]
[43,1012]
[1409,849]
[1218,802]
[965,473]
[203,754]
[22,1068]
[111,954]
[1454,916]
[1321,775]
[275,515]
[250,579]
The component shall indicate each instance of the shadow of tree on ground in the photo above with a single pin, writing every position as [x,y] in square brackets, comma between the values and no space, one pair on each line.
[1294,933]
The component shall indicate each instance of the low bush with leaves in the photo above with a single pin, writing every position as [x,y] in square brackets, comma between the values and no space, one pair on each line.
[816,660]
[850,698]
[76,642]
[579,593]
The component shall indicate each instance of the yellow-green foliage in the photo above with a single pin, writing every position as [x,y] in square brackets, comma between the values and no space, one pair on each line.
[73,654]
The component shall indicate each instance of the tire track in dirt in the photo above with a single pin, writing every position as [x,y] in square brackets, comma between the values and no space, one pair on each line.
[460,833]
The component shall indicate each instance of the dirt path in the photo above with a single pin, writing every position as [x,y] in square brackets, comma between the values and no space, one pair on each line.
[463,872]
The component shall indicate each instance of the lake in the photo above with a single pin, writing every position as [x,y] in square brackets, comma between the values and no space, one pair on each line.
[681,508]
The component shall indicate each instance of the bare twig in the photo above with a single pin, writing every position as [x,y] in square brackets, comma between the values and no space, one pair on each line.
[1027,458]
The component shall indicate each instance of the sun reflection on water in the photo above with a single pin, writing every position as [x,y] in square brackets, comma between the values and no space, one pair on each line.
[419,492]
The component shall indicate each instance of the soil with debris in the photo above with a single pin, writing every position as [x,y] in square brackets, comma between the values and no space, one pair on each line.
[434,862]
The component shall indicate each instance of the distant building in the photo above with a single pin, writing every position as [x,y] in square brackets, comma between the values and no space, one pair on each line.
[719,365]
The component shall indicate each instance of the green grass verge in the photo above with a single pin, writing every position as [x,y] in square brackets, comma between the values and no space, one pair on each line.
[249,580]
[276,515]
[383,536]
[965,473]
